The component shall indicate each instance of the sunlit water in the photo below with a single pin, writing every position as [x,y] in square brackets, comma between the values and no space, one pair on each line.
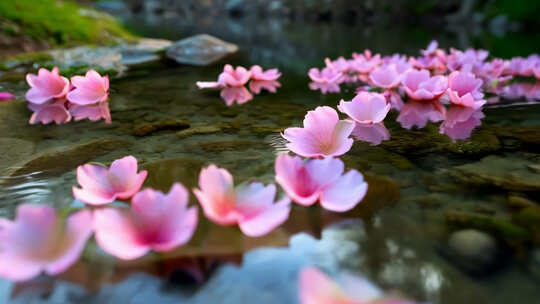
[396,237]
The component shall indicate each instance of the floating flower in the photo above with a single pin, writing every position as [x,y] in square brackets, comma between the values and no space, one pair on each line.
[418,113]
[46,85]
[90,89]
[374,133]
[327,80]
[323,134]
[5,96]
[48,112]
[257,73]
[234,77]
[251,206]
[386,77]
[239,94]
[463,90]
[92,112]
[366,108]
[460,122]
[420,86]
[102,186]
[307,182]
[155,221]
[365,63]
[36,241]
[315,287]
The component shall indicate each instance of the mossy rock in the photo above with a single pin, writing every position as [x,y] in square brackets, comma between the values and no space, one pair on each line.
[530,219]
[503,228]
[144,129]
[510,173]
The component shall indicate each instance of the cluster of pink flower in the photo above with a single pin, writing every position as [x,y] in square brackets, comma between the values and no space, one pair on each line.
[232,83]
[36,240]
[53,98]
[429,81]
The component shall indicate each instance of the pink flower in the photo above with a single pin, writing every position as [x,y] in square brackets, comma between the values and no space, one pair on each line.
[323,134]
[460,122]
[90,89]
[38,242]
[386,77]
[418,113]
[463,89]
[257,73]
[315,287]
[48,112]
[327,80]
[342,66]
[93,112]
[366,108]
[420,86]
[374,133]
[270,85]
[234,77]
[251,206]
[365,63]
[102,186]
[155,221]
[307,182]
[239,94]
[5,96]
[46,86]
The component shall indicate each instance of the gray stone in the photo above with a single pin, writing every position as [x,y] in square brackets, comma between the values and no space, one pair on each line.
[200,50]
[473,250]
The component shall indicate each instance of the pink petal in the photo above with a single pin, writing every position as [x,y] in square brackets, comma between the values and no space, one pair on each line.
[123,177]
[317,288]
[116,233]
[252,198]
[268,220]
[79,228]
[296,180]
[345,193]
[96,189]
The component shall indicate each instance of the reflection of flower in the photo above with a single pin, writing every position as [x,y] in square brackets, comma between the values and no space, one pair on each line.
[460,122]
[418,113]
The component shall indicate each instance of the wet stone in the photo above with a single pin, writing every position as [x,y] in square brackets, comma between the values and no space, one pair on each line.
[17,150]
[148,128]
[200,50]
[59,160]
[198,130]
[510,173]
[473,250]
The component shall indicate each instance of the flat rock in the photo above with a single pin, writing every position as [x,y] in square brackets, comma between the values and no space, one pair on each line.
[148,128]
[473,250]
[200,50]
[510,173]
[15,151]
[198,130]
[60,160]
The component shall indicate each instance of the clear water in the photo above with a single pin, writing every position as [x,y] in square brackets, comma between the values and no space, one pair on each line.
[396,237]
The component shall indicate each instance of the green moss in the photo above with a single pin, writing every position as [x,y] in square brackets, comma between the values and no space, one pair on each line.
[61,22]
[504,228]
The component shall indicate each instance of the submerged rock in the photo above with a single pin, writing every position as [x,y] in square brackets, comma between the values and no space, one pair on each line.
[16,150]
[199,130]
[200,50]
[510,173]
[147,128]
[473,250]
[56,161]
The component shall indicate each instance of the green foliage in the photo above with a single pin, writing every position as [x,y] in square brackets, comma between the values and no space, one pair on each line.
[521,10]
[60,22]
